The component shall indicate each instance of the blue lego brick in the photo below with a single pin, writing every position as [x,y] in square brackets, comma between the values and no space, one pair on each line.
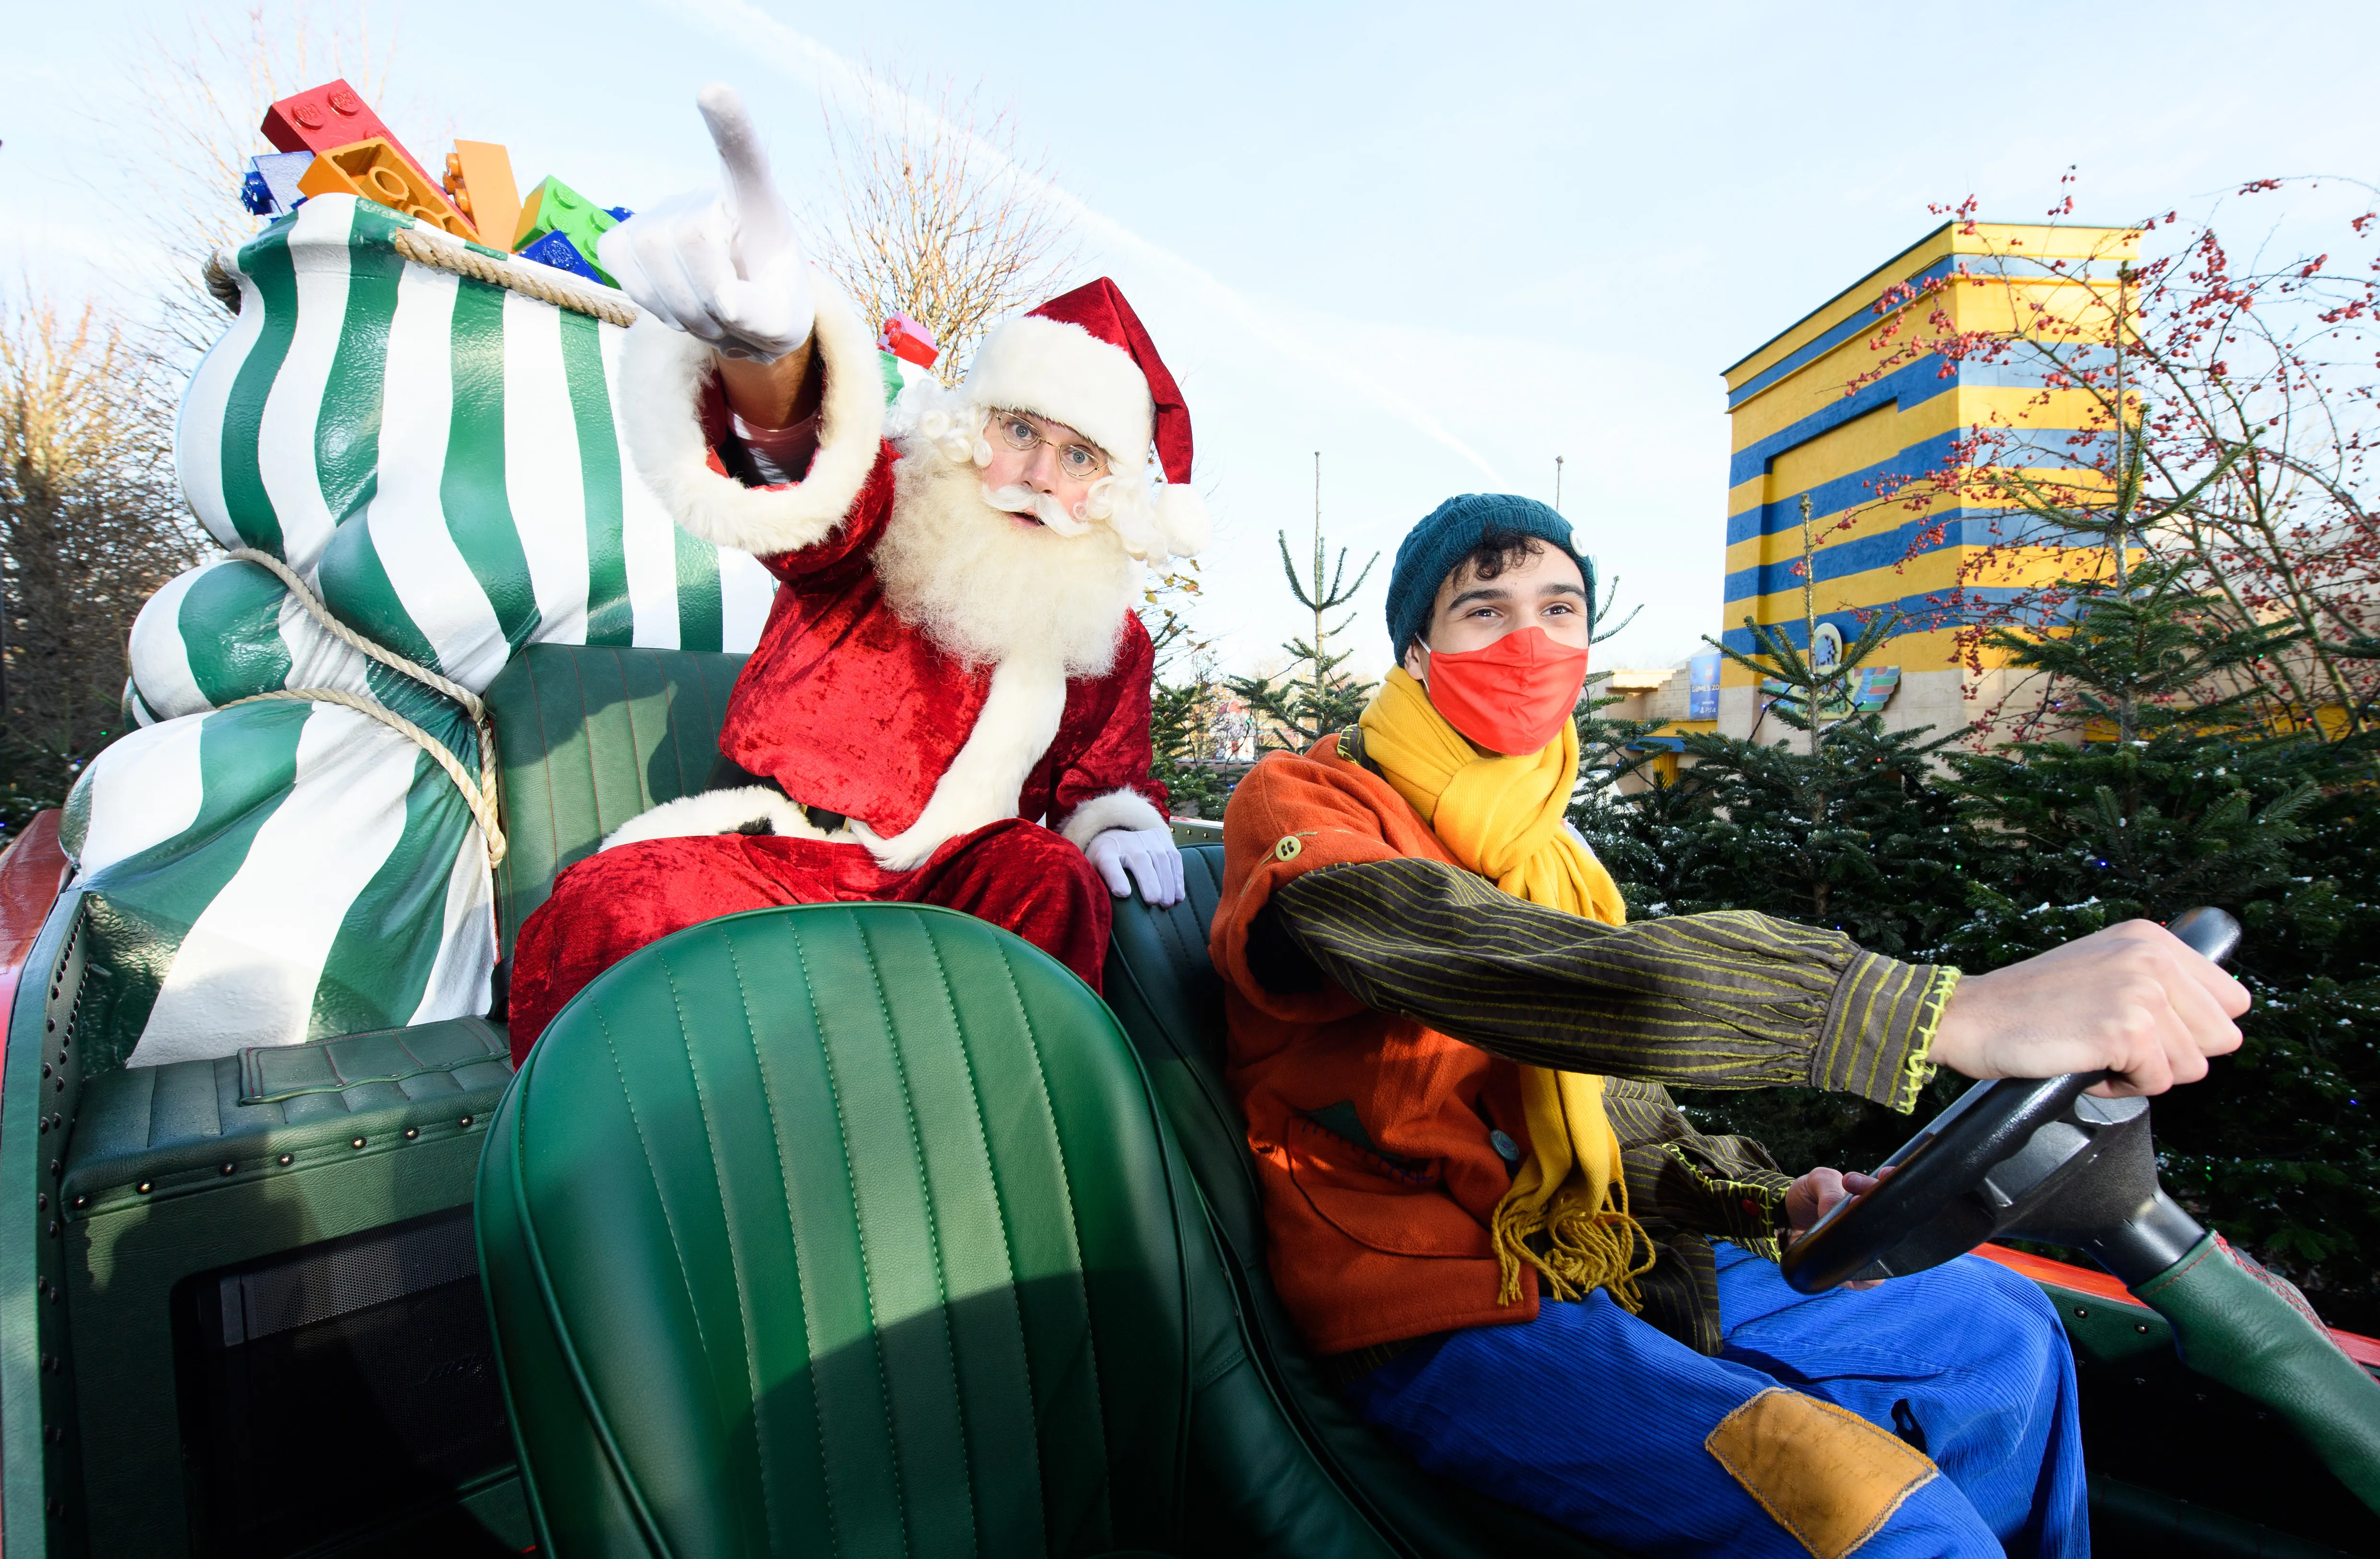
[558,252]
[270,186]
[619,213]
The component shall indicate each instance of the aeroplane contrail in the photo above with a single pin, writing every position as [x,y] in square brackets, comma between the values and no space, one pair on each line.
[762,36]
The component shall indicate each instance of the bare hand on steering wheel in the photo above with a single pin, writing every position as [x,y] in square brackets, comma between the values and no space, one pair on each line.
[2131,1000]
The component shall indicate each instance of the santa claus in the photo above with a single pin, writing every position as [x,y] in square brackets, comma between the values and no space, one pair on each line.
[950,702]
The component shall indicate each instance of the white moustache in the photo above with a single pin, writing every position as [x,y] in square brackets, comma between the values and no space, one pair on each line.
[1043,506]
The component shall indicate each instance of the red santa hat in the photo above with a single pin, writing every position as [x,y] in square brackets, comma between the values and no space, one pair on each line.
[1085,359]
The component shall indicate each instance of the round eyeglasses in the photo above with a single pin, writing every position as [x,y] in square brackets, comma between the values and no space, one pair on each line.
[1022,432]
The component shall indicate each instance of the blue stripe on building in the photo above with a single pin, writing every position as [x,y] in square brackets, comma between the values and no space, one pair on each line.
[1990,267]
[1921,613]
[1960,528]
[1832,497]
[1912,385]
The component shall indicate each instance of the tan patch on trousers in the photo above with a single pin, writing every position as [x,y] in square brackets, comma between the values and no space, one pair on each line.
[1829,1476]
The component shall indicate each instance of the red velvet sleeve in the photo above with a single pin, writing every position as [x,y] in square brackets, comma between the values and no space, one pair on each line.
[862,524]
[1104,746]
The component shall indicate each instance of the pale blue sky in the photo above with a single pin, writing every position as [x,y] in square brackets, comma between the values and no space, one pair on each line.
[1441,245]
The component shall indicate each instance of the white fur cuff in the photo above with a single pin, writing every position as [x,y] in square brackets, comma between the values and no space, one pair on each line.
[1117,809]
[661,384]
[752,809]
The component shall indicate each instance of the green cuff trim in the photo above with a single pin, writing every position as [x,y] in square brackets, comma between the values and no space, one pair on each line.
[1917,1067]
[1879,1028]
[1750,1212]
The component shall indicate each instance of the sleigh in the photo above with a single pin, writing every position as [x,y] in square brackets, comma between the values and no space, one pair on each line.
[852,1229]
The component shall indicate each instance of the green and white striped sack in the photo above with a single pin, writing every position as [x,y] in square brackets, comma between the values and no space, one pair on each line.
[441,458]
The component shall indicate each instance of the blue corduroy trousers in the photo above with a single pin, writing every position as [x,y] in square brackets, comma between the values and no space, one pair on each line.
[1595,1418]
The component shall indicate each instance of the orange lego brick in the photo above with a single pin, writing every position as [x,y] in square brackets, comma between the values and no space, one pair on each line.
[333,114]
[479,183]
[378,171]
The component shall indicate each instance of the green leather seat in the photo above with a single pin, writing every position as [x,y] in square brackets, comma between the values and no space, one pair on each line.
[588,736]
[1170,1000]
[854,1229]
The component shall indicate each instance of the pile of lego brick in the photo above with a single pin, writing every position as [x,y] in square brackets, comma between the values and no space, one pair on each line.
[332,143]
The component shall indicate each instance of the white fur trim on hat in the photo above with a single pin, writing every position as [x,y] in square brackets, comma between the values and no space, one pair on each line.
[1065,374]
[751,809]
[1117,809]
[661,375]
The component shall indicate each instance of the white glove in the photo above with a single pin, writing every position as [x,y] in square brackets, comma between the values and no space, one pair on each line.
[722,267]
[1148,853]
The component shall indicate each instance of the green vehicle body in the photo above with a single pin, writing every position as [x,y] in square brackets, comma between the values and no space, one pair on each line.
[241,1308]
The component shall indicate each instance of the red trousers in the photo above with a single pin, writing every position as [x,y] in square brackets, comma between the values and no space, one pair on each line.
[1015,874]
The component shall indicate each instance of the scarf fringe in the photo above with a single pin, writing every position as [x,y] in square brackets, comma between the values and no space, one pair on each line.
[1583,1249]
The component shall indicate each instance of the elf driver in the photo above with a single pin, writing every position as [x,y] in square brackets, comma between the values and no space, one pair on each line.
[1519,1257]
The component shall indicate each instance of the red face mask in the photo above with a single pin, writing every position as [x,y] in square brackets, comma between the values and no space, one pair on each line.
[1512,696]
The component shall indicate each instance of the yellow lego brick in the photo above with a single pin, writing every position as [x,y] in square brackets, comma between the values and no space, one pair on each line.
[479,183]
[378,171]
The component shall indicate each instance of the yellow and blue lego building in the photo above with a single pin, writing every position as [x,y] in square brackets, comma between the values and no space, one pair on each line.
[1797,432]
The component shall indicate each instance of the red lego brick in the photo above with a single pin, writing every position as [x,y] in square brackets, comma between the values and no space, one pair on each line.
[908,340]
[325,118]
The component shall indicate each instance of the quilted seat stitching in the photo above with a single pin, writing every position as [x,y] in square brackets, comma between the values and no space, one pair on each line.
[859,1227]
[735,1256]
[933,1227]
[596,1419]
[1074,1228]
[999,1200]
[685,1279]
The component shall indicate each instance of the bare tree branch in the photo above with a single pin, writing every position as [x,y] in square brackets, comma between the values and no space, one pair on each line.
[940,217]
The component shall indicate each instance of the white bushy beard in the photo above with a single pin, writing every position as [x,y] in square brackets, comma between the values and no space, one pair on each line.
[988,588]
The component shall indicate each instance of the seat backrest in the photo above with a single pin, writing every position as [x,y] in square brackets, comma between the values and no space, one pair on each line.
[1170,999]
[854,1229]
[590,735]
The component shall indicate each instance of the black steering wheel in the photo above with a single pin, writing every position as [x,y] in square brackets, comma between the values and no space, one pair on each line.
[2033,1158]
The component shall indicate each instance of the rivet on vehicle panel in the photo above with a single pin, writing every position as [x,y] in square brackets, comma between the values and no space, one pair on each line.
[412,1132]
[2142,1329]
[61,1085]
[52,1027]
[53,1228]
[285,1158]
[58,1122]
[2079,1312]
[50,1362]
[62,1055]
[40,1285]
[44,1126]
[466,1123]
[40,1201]
[357,1143]
[142,1188]
[227,1169]
[46,1068]
[82,1202]
[55,1168]
[55,1506]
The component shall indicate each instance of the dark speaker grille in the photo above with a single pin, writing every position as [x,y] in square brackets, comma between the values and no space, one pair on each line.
[337,1388]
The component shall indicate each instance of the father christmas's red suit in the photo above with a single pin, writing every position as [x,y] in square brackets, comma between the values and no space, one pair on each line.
[937,675]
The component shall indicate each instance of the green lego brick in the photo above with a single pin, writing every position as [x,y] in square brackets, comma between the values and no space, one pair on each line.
[556,207]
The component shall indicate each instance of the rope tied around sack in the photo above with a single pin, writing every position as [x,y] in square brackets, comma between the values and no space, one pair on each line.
[481,793]
[418,246]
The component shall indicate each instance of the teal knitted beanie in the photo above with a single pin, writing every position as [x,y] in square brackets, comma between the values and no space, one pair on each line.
[1438,545]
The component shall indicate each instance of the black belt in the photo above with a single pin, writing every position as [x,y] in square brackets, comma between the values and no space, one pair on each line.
[728,774]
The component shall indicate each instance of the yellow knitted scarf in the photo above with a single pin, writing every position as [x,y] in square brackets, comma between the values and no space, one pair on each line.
[1567,1212]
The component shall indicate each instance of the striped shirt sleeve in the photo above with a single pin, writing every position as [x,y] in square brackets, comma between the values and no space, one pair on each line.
[1722,1001]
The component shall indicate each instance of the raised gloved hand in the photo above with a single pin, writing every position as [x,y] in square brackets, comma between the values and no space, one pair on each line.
[1149,854]
[721,265]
